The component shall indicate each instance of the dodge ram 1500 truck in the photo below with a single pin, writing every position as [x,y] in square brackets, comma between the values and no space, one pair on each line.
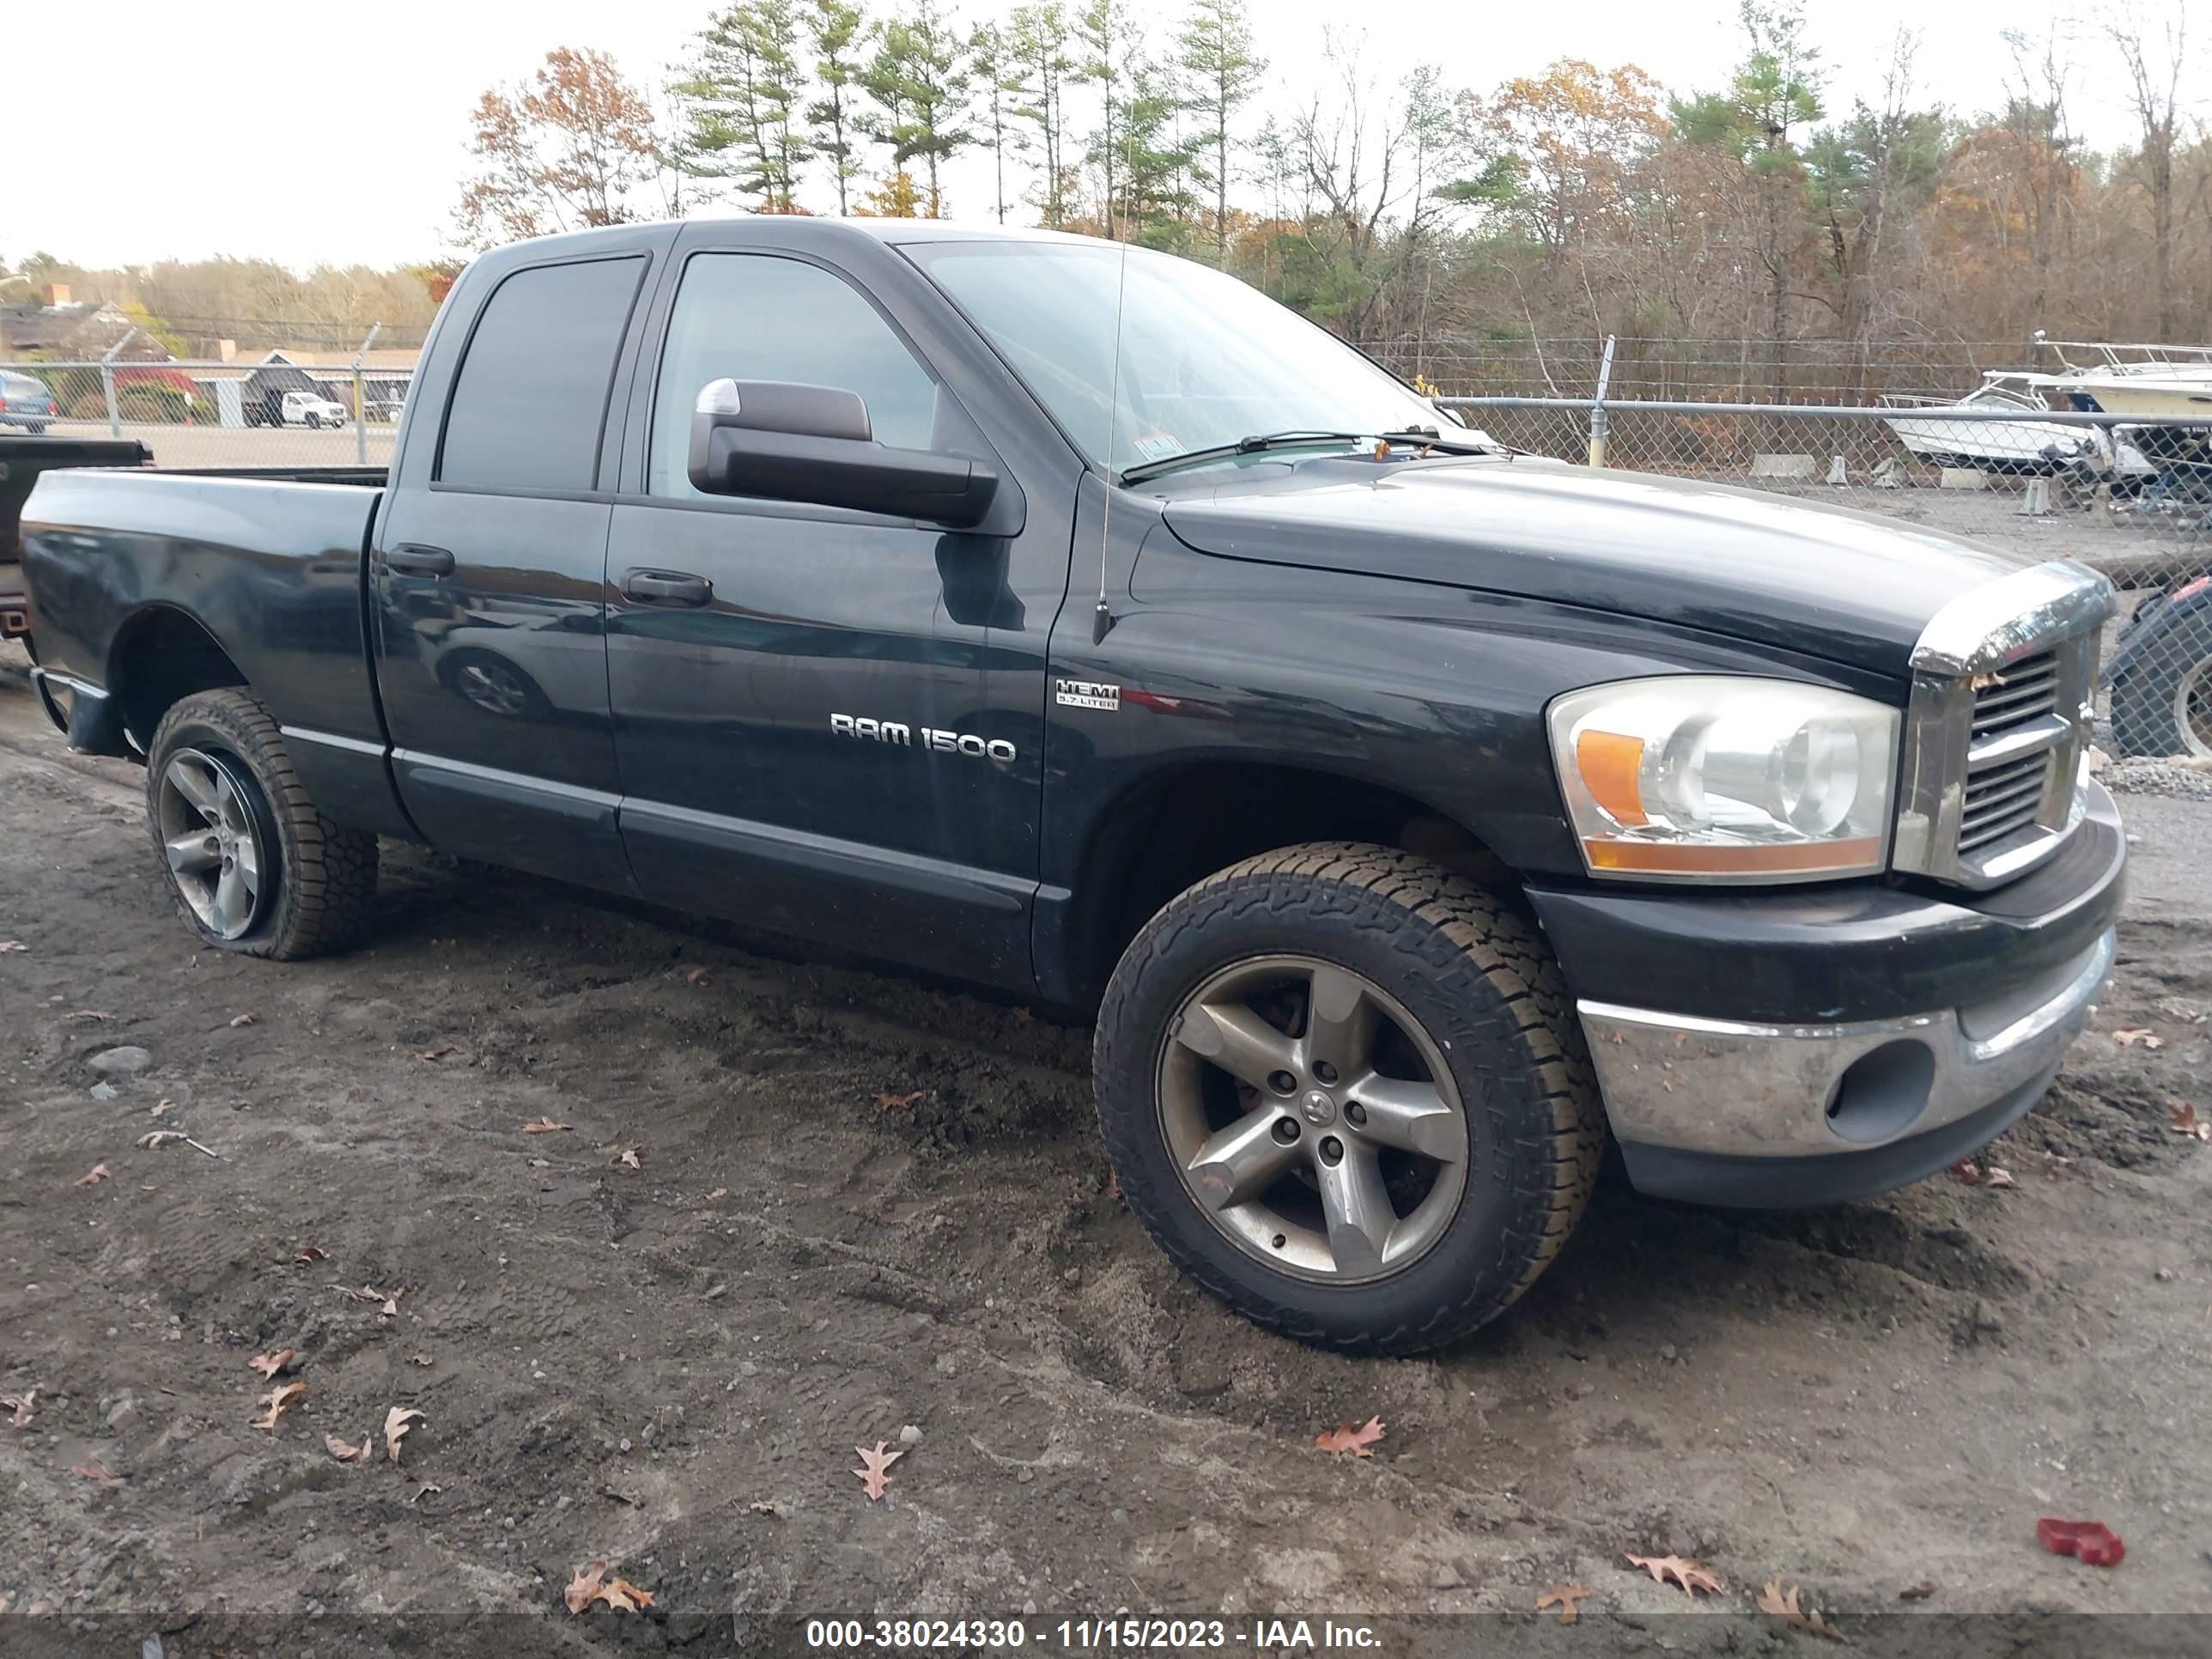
[1074,621]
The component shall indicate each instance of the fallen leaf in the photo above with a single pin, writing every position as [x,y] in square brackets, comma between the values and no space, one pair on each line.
[697,976]
[397,1422]
[1919,1592]
[630,1156]
[625,1597]
[899,1102]
[94,1014]
[2184,1121]
[1784,1605]
[1689,1574]
[2129,1035]
[312,1253]
[346,1453]
[1381,450]
[1346,1438]
[1022,1017]
[875,1468]
[94,1471]
[242,1019]
[438,1053]
[9,946]
[370,1293]
[423,1491]
[272,1362]
[584,1589]
[1984,681]
[97,1173]
[155,1138]
[718,1192]
[420,1359]
[161,1109]
[1563,1597]
[19,1407]
[281,1399]
[544,1126]
[1113,1183]
[1975,1175]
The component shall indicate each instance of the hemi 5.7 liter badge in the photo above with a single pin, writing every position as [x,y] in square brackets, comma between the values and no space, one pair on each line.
[1086,694]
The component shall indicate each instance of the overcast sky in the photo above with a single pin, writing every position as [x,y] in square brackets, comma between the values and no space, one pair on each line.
[144,129]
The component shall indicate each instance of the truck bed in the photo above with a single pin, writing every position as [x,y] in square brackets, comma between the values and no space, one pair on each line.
[22,462]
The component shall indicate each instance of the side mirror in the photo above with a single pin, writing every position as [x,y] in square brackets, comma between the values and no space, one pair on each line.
[787,442]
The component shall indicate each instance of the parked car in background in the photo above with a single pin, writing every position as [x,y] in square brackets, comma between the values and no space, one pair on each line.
[28,402]
[306,408]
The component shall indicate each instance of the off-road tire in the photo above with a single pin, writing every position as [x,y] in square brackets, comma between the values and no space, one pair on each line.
[1480,980]
[326,874]
[2146,694]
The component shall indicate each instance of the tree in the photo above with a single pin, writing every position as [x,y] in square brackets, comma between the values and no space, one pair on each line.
[743,98]
[1109,43]
[1775,91]
[992,61]
[839,33]
[564,150]
[920,77]
[1039,43]
[2154,71]
[1576,137]
[1156,198]
[1214,54]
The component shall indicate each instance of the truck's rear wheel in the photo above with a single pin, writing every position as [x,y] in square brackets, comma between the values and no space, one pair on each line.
[251,863]
[1344,1090]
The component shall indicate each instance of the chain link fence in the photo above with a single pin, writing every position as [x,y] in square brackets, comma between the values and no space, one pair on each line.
[281,412]
[2129,498]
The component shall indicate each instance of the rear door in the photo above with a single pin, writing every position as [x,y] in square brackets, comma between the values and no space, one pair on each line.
[488,576]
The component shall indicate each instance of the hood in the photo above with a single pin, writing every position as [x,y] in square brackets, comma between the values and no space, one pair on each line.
[1848,587]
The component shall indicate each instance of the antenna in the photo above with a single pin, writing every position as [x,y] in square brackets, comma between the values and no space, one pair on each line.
[1102,617]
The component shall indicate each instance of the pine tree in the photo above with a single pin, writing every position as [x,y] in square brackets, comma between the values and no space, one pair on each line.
[920,77]
[1109,42]
[1221,71]
[1038,43]
[997,71]
[744,102]
[838,31]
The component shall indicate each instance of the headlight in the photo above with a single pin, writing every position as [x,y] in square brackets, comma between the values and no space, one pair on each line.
[1703,777]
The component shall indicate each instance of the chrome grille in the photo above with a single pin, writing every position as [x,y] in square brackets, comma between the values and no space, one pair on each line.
[1998,722]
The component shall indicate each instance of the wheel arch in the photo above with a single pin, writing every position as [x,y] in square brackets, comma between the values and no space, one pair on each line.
[162,654]
[1184,821]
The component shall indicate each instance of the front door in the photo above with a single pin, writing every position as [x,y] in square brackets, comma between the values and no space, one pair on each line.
[489,588]
[806,720]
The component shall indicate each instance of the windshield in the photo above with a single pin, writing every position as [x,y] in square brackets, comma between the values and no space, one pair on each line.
[1206,359]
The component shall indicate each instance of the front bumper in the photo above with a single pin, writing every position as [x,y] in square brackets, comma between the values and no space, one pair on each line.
[1817,1085]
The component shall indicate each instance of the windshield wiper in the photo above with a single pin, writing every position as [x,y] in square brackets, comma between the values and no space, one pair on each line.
[1421,436]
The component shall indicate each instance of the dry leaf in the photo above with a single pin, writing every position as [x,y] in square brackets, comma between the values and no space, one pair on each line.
[438,1053]
[155,1138]
[1022,1017]
[1113,1183]
[1690,1575]
[1975,1175]
[875,1468]
[2184,1121]
[18,1406]
[1381,449]
[2128,1037]
[93,1014]
[899,1102]
[1985,681]
[312,1253]
[97,1173]
[272,1362]
[370,1293]
[243,1019]
[1346,1438]
[397,1422]
[1919,1592]
[718,1192]
[584,1589]
[420,1359]
[630,1156]
[9,946]
[346,1453]
[1563,1597]
[1783,1605]
[625,1597]
[697,976]
[423,1491]
[544,1126]
[281,1399]
[94,1471]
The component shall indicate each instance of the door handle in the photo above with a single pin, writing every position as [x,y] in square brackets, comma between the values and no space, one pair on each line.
[666,587]
[413,559]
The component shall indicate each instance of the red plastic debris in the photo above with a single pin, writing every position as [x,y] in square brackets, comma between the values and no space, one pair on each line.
[2092,1542]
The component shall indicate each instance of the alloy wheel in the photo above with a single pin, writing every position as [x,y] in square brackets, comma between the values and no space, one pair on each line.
[209,836]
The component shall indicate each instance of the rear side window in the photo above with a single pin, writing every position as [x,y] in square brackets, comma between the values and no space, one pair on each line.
[533,390]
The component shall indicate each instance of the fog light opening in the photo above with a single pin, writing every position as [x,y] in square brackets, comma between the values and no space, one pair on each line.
[1882,1091]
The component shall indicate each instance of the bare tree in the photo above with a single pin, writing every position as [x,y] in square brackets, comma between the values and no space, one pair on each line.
[2153,61]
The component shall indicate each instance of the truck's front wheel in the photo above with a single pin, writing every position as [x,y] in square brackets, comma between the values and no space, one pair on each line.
[1344,1090]
[251,863]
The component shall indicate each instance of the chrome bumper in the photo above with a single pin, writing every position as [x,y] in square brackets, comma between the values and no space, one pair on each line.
[1747,1091]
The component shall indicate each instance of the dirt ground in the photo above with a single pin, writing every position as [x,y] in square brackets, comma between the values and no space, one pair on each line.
[859,1204]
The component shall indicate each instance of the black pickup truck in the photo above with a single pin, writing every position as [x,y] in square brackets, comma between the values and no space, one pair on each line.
[1072,620]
